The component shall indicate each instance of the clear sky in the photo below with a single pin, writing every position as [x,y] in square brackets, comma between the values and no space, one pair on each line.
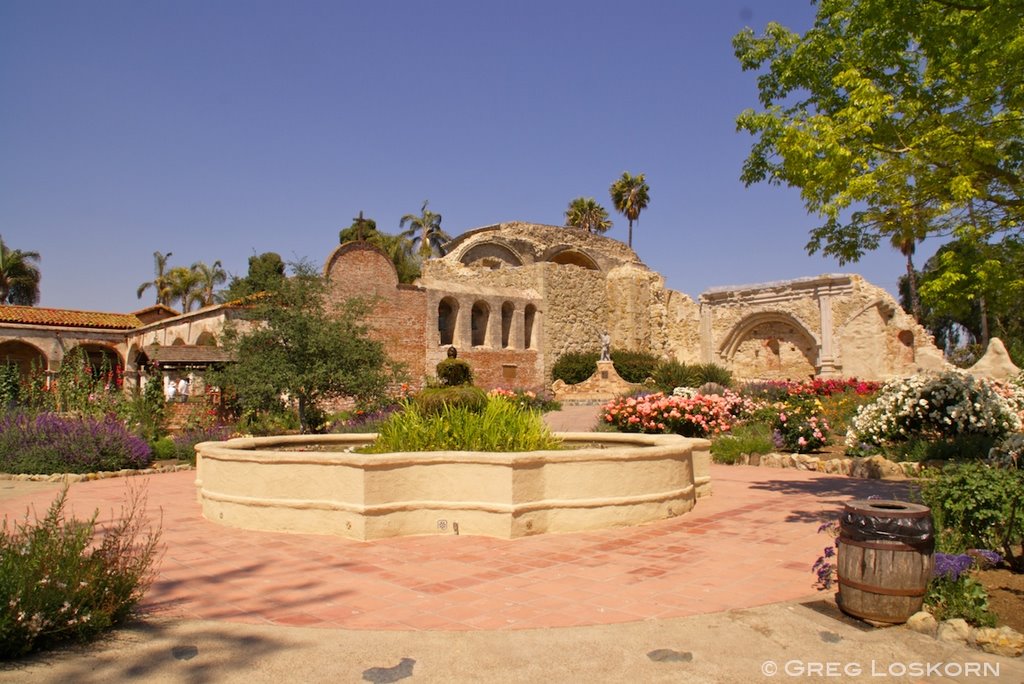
[220,129]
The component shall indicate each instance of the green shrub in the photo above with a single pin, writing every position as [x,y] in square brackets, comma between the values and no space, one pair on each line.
[918,449]
[633,366]
[260,423]
[454,372]
[964,597]
[10,386]
[433,400]
[575,367]
[748,438]
[60,580]
[977,506]
[712,372]
[163,449]
[671,374]
[501,426]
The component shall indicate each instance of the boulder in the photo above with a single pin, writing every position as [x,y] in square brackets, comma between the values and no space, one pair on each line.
[1004,641]
[955,631]
[996,363]
[923,622]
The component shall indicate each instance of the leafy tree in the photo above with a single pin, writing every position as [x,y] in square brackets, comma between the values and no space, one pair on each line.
[398,248]
[208,278]
[426,230]
[19,276]
[300,350]
[972,289]
[587,214]
[266,271]
[185,286]
[161,284]
[630,197]
[911,108]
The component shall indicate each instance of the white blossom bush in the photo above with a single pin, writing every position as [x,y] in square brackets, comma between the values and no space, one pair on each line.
[949,405]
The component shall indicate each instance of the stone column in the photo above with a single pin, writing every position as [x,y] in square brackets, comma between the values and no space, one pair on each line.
[707,343]
[517,335]
[826,356]
[492,340]
[463,337]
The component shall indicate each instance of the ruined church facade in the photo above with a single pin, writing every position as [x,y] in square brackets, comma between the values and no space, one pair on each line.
[512,298]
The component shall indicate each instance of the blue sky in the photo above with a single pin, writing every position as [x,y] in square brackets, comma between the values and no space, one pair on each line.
[223,129]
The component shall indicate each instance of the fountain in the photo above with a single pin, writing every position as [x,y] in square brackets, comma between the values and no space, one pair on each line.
[317,484]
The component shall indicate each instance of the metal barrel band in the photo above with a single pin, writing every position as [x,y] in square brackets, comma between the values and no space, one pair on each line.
[883,545]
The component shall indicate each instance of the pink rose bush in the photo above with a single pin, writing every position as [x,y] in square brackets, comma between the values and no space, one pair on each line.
[799,427]
[698,416]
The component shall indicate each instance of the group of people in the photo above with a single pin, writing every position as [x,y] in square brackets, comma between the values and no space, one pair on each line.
[176,391]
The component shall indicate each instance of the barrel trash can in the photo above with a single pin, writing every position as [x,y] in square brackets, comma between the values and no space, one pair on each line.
[885,559]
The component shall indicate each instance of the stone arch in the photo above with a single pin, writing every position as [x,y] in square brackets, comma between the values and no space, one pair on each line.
[27,357]
[178,342]
[479,320]
[492,253]
[563,254]
[529,321]
[447,317]
[771,344]
[102,357]
[508,310]
[206,339]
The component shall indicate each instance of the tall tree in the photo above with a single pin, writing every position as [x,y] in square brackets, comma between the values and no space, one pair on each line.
[303,351]
[585,213]
[892,103]
[208,278]
[265,272]
[184,285]
[426,230]
[630,197]
[160,283]
[19,276]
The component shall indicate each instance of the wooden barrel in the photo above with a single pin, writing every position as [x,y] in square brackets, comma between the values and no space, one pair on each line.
[885,559]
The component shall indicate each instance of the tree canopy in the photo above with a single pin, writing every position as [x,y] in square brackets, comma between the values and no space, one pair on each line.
[426,230]
[19,276]
[630,195]
[266,271]
[299,350]
[893,118]
[585,213]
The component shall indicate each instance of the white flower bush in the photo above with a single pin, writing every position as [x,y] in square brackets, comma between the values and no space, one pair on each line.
[938,406]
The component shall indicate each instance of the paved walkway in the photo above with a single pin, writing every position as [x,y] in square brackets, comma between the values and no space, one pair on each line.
[751,543]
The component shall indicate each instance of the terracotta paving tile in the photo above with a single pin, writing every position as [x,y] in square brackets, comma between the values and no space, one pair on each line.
[752,542]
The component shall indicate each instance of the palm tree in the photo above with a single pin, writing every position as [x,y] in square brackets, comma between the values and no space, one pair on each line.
[425,229]
[586,213]
[160,283]
[209,277]
[184,284]
[19,276]
[630,197]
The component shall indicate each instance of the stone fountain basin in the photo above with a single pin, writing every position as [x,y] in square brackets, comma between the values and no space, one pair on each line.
[294,484]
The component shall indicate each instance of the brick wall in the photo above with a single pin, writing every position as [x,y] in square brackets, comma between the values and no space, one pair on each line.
[397,312]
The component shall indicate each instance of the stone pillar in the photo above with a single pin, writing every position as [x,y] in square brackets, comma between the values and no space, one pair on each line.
[517,335]
[492,340]
[826,355]
[707,343]
[463,337]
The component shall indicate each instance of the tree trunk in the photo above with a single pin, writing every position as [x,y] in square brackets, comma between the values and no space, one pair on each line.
[983,307]
[915,300]
[631,233]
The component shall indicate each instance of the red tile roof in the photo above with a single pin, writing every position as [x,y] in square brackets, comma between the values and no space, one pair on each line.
[66,318]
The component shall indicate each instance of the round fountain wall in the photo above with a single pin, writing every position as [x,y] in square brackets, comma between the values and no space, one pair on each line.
[310,484]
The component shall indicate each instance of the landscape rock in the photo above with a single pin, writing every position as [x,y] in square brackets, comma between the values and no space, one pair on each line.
[923,622]
[955,631]
[1004,641]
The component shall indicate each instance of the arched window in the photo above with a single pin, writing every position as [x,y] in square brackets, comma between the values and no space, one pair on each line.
[529,315]
[447,313]
[507,309]
[480,316]
[206,339]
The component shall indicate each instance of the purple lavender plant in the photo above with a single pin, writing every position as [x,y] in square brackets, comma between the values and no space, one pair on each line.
[49,443]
